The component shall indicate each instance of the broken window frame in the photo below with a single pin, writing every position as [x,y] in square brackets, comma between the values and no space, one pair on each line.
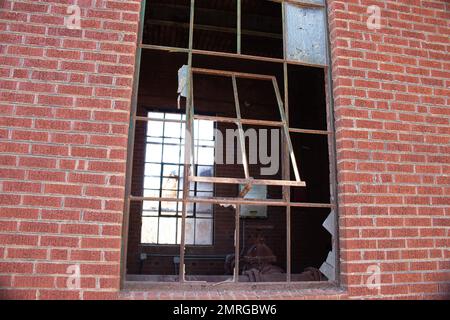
[286,201]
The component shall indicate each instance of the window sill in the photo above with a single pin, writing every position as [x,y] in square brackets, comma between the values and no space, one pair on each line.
[230,290]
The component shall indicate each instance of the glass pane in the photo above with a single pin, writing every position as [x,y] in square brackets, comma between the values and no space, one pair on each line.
[156,115]
[167,230]
[205,208]
[174,116]
[151,193]
[203,231]
[190,231]
[169,208]
[190,209]
[154,140]
[155,129]
[149,230]
[152,182]
[170,183]
[205,156]
[204,143]
[205,171]
[170,213]
[169,193]
[171,170]
[152,169]
[205,130]
[150,205]
[150,213]
[172,129]
[153,153]
[305,34]
[205,215]
[202,194]
[201,186]
[171,141]
[171,153]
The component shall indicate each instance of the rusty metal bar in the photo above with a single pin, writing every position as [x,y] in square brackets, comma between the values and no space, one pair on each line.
[286,131]
[255,122]
[234,201]
[140,118]
[243,121]
[286,162]
[310,131]
[239,26]
[240,129]
[267,182]
[187,150]
[224,73]
[245,190]
[237,242]
[228,55]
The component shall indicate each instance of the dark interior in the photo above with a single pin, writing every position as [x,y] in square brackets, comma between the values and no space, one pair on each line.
[215,26]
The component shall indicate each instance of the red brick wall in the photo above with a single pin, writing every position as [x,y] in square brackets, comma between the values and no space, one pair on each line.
[64,105]
[393,143]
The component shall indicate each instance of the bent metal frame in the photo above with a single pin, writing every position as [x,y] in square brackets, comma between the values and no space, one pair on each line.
[287,154]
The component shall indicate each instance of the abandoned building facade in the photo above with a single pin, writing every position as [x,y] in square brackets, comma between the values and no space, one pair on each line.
[261,149]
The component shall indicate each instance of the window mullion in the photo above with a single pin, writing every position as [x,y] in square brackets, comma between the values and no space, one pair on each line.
[239,26]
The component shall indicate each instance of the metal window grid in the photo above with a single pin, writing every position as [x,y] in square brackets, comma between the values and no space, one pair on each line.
[285,183]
